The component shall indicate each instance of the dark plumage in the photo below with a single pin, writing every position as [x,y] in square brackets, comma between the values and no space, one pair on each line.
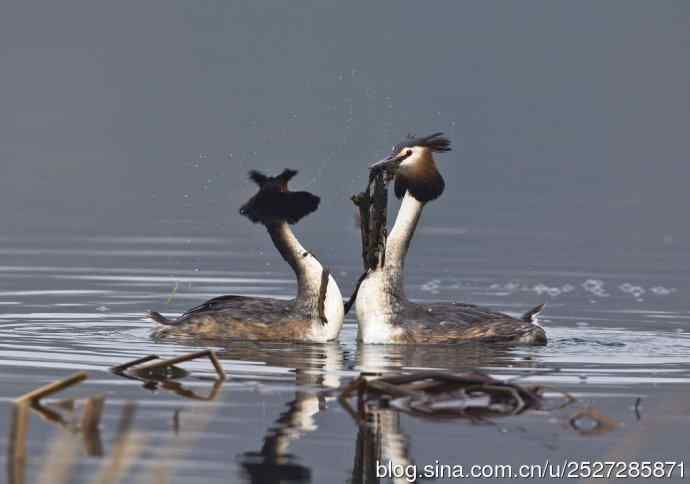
[315,314]
[424,183]
[275,203]
[455,322]
[238,317]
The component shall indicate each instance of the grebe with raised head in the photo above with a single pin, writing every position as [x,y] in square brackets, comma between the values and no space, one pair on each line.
[384,314]
[315,315]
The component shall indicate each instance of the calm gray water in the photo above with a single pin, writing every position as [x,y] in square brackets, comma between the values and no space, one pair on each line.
[127,130]
[75,302]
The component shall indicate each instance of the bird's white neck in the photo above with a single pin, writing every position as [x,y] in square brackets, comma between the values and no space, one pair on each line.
[398,241]
[317,292]
[382,291]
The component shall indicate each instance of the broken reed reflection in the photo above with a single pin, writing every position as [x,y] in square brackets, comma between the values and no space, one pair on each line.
[379,399]
[62,456]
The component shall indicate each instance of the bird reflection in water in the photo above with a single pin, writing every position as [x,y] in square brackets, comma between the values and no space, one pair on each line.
[380,440]
[315,367]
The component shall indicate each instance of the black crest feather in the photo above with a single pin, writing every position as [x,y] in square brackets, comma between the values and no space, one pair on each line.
[258,177]
[436,142]
[275,203]
[287,175]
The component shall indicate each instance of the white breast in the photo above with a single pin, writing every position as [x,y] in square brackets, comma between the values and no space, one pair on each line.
[373,311]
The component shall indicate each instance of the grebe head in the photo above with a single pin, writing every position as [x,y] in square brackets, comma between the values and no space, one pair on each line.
[413,166]
[274,203]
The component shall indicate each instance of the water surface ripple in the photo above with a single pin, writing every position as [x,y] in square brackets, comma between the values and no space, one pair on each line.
[71,303]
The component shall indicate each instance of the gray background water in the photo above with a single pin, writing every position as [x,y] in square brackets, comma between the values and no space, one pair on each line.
[569,116]
[127,129]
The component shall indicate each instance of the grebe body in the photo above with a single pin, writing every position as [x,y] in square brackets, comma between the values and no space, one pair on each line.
[384,314]
[314,315]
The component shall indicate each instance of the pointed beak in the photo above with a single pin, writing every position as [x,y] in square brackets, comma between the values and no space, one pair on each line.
[390,163]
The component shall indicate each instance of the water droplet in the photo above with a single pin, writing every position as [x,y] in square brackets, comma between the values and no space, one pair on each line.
[567,288]
[595,286]
[661,290]
[635,291]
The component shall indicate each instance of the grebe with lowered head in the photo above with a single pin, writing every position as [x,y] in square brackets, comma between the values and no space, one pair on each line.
[384,314]
[315,315]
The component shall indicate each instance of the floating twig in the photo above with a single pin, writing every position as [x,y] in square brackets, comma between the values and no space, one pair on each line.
[181,359]
[125,366]
[145,369]
[51,388]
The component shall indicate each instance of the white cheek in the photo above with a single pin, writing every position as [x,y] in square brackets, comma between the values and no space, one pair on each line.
[413,159]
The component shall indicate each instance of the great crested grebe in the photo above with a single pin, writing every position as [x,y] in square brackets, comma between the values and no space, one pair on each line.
[315,315]
[384,313]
